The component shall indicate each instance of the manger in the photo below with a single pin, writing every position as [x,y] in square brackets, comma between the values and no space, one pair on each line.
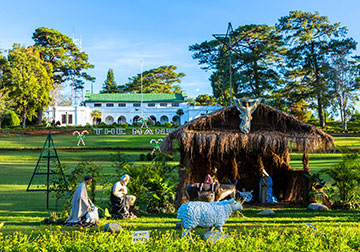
[215,141]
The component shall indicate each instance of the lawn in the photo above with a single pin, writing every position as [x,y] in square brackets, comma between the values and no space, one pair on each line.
[23,211]
[123,141]
[68,140]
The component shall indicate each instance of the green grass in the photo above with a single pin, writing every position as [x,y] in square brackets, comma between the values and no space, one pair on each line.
[350,142]
[124,141]
[67,140]
[23,211]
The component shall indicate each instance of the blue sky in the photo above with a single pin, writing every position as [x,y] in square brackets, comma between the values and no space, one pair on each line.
[120,34]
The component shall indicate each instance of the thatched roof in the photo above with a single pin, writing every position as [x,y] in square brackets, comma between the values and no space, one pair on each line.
[271,131]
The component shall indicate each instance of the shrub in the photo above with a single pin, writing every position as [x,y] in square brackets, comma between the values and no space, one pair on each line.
[74,179]
[168,124]
[11,119]
[346,174]
[142,157]
[149,157]
[152,184]
[157,123]
[124,125]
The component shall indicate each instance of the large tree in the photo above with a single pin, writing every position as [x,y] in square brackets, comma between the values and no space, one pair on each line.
[344,82]
[158,80]
[68,62]
[110,85]
[28,81]
[256,51]
[310,39]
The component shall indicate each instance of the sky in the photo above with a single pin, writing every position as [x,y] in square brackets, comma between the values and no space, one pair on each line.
[121,34]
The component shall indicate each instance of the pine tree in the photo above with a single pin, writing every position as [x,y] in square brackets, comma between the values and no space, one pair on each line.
[109,84]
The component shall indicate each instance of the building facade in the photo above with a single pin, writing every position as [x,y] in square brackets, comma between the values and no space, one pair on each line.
[129,108]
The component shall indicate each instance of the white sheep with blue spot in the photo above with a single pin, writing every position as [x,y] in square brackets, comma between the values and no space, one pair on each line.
[206,214]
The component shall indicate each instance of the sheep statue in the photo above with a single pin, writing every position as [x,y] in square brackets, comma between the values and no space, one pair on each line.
[206,214]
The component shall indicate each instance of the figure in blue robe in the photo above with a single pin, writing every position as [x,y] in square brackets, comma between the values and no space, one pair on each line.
[265,189]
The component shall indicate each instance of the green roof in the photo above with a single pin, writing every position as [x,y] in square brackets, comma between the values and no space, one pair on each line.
[134,98]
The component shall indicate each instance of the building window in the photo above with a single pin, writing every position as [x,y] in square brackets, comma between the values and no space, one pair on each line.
[136,104]
[122,105]
[109,105]
[97,105]
[163,104]
[151,104]
[70,119]
[175,104]
[63,119]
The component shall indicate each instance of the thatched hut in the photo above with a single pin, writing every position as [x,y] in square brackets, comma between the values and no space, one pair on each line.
[215,140]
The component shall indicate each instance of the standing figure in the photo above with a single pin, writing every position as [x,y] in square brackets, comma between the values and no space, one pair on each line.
[245,112]
[120,200]
[82,209]
[265,189]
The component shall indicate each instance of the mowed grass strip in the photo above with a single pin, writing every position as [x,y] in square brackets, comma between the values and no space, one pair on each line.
[104,141]
[70,141]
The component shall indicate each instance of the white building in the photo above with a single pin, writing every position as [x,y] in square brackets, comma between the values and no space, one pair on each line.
[121,108]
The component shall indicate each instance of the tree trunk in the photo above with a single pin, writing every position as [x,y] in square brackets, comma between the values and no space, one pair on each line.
[318,88]
[344,124]
[320,111]
[305,162]
[256,77]
[39,116]
[24,118]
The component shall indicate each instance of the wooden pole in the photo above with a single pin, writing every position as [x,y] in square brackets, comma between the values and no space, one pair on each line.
[305,161]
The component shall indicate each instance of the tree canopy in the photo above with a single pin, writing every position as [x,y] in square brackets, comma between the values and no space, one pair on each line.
[110,85]
[28,81]
[256,51]
[157,80]
[68,62]
[290,64]
[310,39]
[205,100]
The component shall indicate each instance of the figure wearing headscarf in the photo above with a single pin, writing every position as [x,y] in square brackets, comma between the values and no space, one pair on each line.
[120,200]
[80,204]
[265,189]
[211,178]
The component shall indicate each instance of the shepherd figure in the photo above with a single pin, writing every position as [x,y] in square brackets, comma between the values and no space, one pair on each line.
[120,200]
[82,209]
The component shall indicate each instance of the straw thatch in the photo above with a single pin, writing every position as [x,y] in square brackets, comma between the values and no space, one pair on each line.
[215,141]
